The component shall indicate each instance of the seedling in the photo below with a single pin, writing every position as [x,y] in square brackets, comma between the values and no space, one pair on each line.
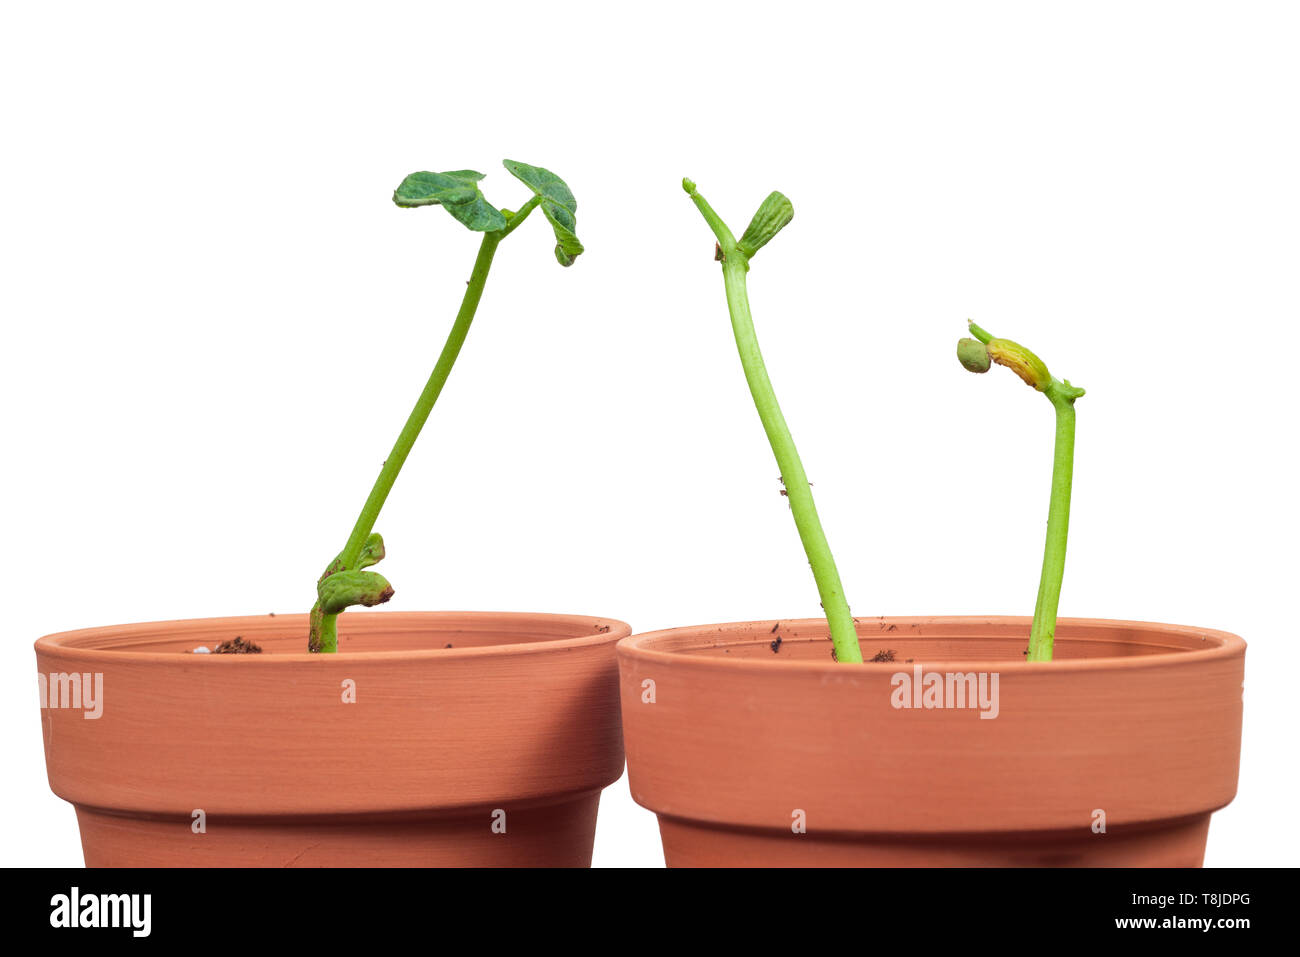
[977,355]
[345,581]
[773,216]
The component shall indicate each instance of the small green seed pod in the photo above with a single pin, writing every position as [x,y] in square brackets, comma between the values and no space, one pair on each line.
[772,217]
[1021,361]
[973,356]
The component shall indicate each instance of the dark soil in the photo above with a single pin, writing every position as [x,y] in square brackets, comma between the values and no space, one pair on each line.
[884,655]
[237,646]
[776,645]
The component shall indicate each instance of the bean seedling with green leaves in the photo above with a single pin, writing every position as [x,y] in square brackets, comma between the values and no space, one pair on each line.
[978,355]
[774,215]
[346,580]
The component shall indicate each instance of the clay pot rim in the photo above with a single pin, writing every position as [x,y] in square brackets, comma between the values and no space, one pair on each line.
[64,644]
[645,646]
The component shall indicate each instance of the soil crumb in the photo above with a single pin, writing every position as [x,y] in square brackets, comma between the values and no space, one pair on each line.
[884,655]
[776,645]
[237,646]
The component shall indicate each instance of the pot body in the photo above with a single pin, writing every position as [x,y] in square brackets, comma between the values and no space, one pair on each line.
[429,739]
[956,752]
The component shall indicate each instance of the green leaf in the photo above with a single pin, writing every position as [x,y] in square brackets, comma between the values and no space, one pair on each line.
[343,589]
[772,217]
[478,214]
[457,192]
[558,206]
[433,189]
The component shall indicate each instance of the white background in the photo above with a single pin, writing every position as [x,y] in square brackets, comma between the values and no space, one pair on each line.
[215,321]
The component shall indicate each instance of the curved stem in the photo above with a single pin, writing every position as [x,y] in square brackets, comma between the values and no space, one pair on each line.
[735,264]
[1062,395]
[365,523]
[1043,632]
[519,217]
[324,636]
[844,635]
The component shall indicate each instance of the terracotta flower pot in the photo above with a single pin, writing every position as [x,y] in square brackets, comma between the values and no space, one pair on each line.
[758,753]
[456,738]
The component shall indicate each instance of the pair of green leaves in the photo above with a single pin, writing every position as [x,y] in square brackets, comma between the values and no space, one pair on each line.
[458,193]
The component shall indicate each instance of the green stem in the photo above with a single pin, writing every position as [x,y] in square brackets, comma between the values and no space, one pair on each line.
[325,627]
[365,523]
[1043,631]
[514,219]
[1062,395]
[735,265]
